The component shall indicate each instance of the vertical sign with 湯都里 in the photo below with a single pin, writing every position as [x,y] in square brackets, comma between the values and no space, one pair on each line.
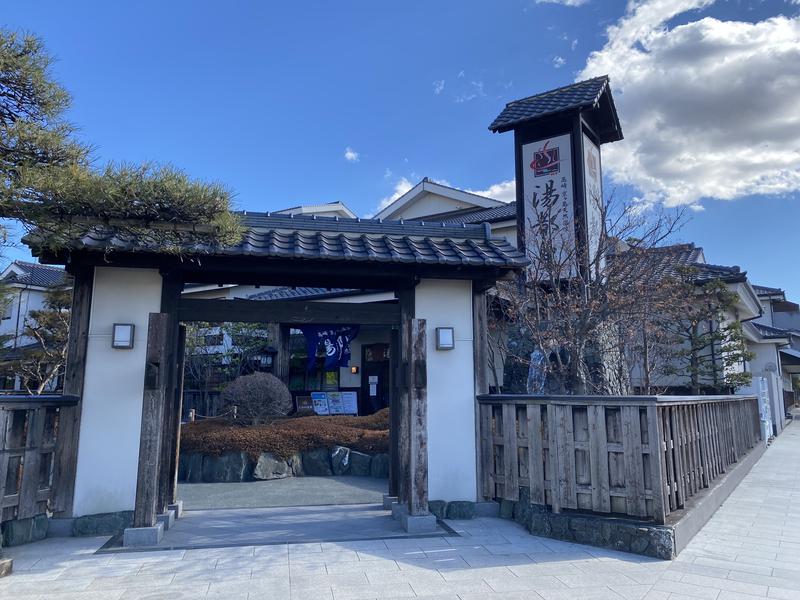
[549,200]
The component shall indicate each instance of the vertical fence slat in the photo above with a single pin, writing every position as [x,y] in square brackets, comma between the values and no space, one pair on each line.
[598,455]
[634,472]
[535,454]
[510,453]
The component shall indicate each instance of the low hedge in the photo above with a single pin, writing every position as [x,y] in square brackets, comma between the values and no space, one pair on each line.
[289,436]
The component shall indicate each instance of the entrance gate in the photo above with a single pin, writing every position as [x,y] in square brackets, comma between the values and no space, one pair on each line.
[156,486]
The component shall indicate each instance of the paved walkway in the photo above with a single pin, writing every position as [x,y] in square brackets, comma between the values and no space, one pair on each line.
[750,549]
[292,491]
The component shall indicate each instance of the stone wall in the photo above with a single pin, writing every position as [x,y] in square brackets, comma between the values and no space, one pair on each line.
[239,466]
[626,535]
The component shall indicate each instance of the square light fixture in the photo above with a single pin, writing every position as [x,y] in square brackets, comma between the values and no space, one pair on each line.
[445,338]
[354,370]
[122,338]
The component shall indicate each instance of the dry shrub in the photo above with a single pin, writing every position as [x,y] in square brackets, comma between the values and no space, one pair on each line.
[286,437]
[258,398]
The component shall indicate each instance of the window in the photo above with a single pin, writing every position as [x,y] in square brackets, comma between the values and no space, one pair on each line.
[213,339]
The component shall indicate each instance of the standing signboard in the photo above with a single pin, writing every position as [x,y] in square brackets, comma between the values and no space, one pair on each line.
[550,198]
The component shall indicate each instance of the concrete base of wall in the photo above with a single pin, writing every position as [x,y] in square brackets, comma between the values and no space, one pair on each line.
[167,519]
[177,508]
[413,523]
[102,524]
[60,527]
[24,531]
[143,536]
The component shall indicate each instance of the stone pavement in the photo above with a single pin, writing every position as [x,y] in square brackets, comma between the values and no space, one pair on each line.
[292,491]
[750,549]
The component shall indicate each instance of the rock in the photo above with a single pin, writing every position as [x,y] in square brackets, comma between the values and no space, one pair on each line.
[340,460]
[460,509]
[317,462]
[231,467]
[194,468]
[295,463]
[360,463]
[438,508]
[102,524]
[270,466]
[380,466]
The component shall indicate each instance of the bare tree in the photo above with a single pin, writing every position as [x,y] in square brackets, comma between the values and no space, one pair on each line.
[583,306]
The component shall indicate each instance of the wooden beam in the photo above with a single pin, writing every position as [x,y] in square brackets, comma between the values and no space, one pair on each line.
[152,427]
[394,412]
[407,302]
[69,419]
[480,359]
[173,496]
[171,288]
[288,312]
[418,420]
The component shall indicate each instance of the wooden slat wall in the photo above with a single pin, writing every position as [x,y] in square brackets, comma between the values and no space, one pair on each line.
[637,457]
[28,442]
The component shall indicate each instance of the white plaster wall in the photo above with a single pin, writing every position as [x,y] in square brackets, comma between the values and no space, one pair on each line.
[451,389]
[108,450]
[429,204]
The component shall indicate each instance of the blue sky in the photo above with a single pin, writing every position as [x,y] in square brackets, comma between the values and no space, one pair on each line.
[268,98]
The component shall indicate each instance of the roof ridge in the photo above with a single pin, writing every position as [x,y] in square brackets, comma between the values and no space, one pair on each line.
[561,89]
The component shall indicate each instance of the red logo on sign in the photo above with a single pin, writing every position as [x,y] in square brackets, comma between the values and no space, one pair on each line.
[546,161]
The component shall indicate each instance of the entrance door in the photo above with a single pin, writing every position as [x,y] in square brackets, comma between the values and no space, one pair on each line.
[375,371]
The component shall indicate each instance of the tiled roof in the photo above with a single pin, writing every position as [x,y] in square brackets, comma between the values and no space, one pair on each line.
[479,215]
[272,235]
[677,261]
[768,331]
[295,293]
[36,275]
[577,96]
[763,290]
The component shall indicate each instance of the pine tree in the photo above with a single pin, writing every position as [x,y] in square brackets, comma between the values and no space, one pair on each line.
[48,182]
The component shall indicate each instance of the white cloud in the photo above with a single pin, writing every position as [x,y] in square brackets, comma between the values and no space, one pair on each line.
[351,155]
[401,186]
[438,86]
[387,173]
[574,44]
[558,62]
[708,108]
[474,91]
[564,2]
[505,191]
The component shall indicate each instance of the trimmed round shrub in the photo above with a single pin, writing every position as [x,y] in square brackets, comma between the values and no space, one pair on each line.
[259,397]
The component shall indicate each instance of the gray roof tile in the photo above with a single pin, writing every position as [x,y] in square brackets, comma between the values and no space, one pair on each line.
[37,275]
[577,96]
[333,238]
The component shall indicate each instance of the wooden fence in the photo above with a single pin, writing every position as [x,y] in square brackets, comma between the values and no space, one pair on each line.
[639,456]
[29,471]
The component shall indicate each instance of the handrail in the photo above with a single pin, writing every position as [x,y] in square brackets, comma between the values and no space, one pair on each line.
[42,399]
[613,400]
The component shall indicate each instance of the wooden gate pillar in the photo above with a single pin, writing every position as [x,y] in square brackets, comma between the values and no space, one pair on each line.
[69,420]
[418,419]
[152,430]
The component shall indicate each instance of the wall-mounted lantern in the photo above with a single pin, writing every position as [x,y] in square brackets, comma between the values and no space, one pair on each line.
[122,338]
[445,338]
[354,370]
